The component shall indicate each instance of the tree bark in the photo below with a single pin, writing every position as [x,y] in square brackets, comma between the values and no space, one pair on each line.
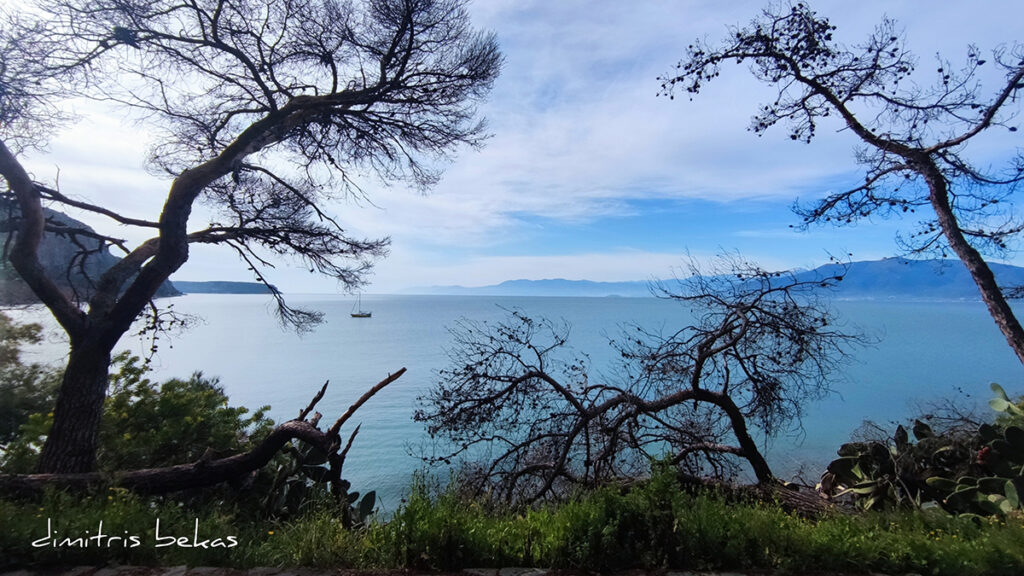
[983,277]
[71,444]
[739,428]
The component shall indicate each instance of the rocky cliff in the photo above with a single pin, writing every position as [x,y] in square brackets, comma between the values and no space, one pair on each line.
[60,257]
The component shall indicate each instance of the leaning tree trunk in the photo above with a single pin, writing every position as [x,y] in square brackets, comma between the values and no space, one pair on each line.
[762,471]
[738,422]
[991,294]
[71,444]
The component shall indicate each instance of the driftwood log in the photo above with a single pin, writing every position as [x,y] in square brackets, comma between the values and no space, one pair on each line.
[208,471]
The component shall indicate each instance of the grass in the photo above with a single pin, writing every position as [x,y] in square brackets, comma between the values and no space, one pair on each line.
[654,526]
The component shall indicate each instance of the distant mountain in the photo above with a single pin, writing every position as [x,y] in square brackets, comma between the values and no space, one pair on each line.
[902,278]
[56,253]
[551,287]
[222,287]
[890,278]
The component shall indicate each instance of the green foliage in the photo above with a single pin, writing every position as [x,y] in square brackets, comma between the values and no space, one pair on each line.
[654,526]
[658,526]
[977,474]
[25,389]
[147,425]
[21,455]
[880,475]
[301,481]
[316,539]
[122,514]
[1009,412]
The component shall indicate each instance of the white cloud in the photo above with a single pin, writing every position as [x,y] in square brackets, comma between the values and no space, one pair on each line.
[578,135]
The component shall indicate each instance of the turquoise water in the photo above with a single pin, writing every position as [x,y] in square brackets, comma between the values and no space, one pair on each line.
[926,350]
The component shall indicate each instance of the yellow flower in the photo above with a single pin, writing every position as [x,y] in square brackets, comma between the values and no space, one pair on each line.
[271,532]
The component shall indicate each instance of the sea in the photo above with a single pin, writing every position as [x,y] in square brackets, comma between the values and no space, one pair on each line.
[924,352]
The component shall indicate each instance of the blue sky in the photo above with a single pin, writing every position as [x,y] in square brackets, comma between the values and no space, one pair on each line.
[589,174]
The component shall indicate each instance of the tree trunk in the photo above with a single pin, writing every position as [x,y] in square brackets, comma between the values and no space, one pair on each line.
[71,444]
[748,446]
[991,294]
[746,442]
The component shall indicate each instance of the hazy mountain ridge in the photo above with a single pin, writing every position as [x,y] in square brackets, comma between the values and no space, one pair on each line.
[547,287]
[889,278]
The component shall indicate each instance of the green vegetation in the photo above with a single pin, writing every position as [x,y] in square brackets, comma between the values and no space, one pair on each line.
[144,424]
[24,388]
[969,470]
[286,516]
[652,526]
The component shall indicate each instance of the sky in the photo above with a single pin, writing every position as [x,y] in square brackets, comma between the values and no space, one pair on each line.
[588,173]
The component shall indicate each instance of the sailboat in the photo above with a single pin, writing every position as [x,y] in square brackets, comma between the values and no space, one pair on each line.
[357,310]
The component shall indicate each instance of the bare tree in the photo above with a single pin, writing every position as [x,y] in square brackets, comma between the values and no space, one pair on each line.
[531,424]
[263,110]
[913,138]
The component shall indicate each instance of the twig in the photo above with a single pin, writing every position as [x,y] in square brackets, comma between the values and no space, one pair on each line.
[362,400]
[305,412]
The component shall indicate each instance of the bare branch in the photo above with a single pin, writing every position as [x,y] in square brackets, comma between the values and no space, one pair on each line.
[530,424]
[913,143]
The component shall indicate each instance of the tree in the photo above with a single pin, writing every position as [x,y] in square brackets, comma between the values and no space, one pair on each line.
[532,424]
[913,138]
[264,110]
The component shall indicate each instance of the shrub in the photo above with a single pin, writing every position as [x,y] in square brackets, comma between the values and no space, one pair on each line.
[25,389]
[147,425]
[977,471]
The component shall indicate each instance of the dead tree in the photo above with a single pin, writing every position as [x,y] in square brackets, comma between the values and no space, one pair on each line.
[264,111]
[530,424]
[913,138]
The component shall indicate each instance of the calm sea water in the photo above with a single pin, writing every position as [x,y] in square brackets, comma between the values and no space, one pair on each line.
[927,350]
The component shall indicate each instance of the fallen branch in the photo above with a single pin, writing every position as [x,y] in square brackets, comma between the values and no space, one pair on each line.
[208,472]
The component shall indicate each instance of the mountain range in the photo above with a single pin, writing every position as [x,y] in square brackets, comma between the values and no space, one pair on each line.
[889,278]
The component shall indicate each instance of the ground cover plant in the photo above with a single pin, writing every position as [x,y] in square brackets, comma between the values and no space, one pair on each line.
[652,525]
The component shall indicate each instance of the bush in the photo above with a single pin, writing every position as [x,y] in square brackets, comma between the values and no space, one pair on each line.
[654,526]
[976,470]
[658,526]
[147,425]
[25,389]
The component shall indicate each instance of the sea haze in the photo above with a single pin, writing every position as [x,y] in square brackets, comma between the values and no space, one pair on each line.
[897,278]
[926,350]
